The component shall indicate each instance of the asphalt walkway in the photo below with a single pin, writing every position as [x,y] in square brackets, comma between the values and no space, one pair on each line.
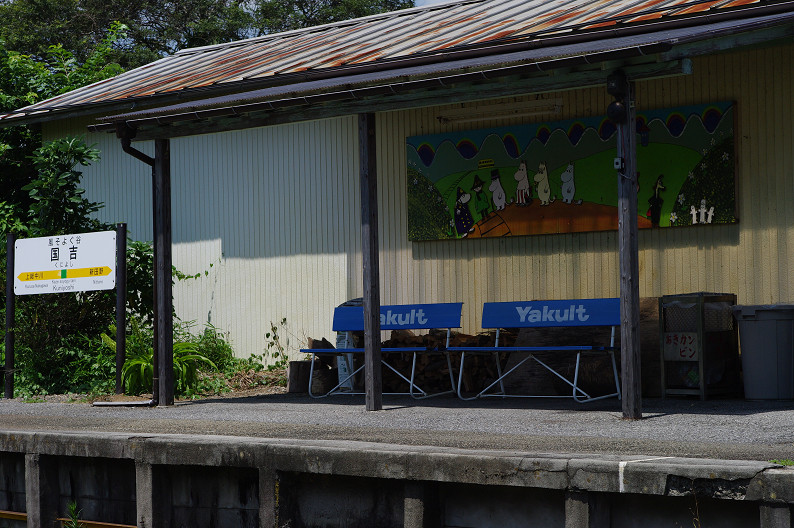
[718,429]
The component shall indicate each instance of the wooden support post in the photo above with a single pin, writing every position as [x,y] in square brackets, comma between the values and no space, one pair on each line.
[163,310]
[8,378]
[121,302]
[161,172]
[628,248]
[373,380]
[155,324]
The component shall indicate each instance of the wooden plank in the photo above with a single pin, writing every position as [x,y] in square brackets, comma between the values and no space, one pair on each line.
[373,381]
[95,524]
[14,516]
[628,250]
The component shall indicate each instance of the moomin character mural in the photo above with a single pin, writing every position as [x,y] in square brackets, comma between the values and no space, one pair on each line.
[542,181]
[497,191]
[523,192]
[685,167]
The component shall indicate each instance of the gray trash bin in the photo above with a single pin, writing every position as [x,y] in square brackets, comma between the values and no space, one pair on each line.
[766,335]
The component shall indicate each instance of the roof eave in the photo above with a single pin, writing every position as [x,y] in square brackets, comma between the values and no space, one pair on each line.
[441,59]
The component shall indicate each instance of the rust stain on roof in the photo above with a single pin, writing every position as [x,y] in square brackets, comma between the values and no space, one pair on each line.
[739,3]
[379,38]
[697,8]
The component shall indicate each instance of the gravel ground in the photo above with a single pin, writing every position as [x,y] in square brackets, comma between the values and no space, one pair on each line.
[725,429]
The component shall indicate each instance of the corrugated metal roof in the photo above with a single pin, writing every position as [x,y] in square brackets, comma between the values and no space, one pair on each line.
[385,41]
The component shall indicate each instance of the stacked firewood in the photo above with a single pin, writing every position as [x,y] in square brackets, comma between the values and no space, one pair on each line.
[432,371]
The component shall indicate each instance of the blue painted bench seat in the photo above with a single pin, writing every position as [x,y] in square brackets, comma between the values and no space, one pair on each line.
[392,317]
[545,314]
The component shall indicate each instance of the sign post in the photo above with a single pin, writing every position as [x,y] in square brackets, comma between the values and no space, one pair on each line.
[54,264]
[8,382]
[121,303]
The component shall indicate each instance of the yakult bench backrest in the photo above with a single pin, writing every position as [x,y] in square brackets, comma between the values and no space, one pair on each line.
[528,314]
[401,316]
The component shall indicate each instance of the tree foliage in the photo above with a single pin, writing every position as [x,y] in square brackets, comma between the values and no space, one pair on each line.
[282,15]
[24,80]
[57,201]
[157,27]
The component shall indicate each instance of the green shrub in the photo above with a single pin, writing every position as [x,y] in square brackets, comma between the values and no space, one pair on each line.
[138,371]
[213,345]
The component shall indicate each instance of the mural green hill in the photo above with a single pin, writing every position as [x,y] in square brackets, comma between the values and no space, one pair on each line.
[684,156]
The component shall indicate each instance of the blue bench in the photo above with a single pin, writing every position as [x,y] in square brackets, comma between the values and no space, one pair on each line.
[393,317]
[545,314]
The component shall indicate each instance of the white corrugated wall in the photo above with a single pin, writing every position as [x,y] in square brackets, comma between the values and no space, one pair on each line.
[270,214]
[276,212]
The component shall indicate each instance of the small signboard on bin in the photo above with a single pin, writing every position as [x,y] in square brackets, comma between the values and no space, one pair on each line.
[65,263]
[681,346]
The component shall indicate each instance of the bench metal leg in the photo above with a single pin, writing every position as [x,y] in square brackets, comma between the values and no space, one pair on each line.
[460,380]
[497,381]
[414,390]
[577,394]
[501,377]
[587,397]
[421,394]
[615,374]
[333,390]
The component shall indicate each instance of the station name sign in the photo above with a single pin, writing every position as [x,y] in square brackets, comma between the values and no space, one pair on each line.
[65,263]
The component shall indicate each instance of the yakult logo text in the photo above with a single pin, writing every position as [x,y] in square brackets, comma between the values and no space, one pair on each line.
[403,319]
[527,314]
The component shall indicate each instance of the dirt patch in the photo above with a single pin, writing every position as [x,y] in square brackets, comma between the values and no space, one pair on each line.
[240,385]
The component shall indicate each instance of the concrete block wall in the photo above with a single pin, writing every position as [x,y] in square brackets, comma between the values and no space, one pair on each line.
[162,481]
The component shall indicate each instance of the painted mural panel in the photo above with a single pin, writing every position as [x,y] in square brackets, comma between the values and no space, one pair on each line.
[559,177]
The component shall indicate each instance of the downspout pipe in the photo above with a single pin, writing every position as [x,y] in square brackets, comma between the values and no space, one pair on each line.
[125,133]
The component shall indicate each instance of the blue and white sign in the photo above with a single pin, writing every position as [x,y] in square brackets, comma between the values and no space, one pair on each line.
[578,312]
[395,317]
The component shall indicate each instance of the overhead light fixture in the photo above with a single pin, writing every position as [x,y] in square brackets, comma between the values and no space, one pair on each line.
[501,111]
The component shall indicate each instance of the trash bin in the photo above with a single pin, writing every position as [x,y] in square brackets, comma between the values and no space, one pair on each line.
[766,337]
[699,349]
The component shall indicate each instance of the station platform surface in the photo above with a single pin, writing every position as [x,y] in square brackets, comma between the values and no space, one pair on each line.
[713,429]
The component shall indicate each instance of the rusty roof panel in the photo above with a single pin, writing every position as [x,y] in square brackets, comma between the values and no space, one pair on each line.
[381,40]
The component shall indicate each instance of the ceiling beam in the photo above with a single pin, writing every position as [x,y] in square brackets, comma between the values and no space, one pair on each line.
[447,94]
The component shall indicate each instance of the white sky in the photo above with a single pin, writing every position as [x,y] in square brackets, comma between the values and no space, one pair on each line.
[420,3]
